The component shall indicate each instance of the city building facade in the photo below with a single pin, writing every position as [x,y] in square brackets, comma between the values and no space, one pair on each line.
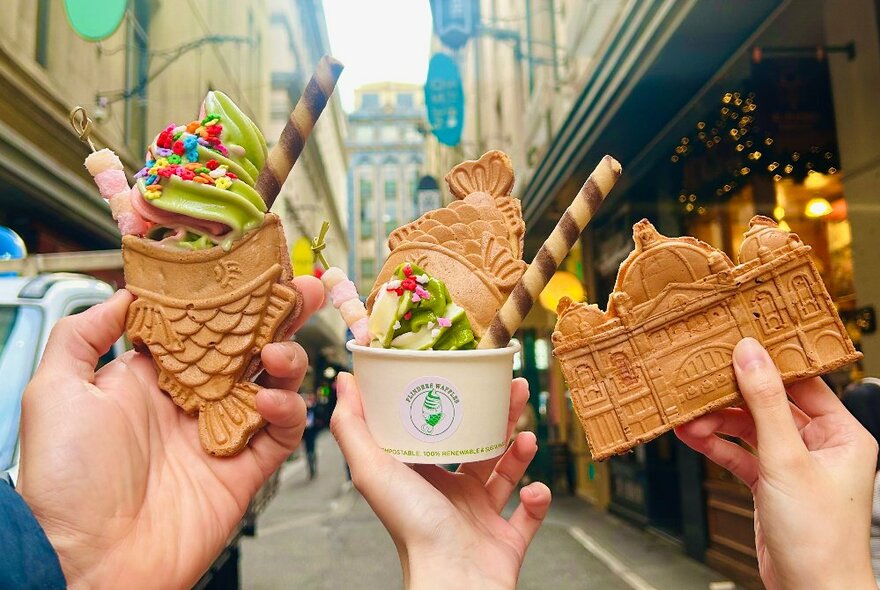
[150,72]
[316,189]
[386,160]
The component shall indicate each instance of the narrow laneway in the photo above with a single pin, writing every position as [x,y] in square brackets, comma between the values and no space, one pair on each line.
[321,534]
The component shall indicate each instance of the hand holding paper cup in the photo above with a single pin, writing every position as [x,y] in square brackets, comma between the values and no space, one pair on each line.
[435,378]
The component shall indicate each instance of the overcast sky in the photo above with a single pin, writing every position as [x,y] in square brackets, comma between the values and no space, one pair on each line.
[378,41]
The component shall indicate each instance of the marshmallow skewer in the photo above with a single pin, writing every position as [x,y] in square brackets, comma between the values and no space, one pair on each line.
[554,250]
[109,176]
[293,137]
[343,292]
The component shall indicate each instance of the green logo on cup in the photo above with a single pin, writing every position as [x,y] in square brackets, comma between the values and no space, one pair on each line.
[431,409]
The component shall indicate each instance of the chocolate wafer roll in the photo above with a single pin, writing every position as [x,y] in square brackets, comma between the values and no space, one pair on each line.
[554,250]
[295,133]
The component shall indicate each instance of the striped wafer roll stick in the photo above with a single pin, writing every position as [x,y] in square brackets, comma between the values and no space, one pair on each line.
[554,250]
[295,133]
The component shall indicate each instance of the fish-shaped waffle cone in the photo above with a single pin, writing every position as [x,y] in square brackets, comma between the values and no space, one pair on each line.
[474,245]
[204,316]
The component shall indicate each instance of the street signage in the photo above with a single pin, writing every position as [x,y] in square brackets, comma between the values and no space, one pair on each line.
[95,20]
[427,195]
[444,97]
[455,21]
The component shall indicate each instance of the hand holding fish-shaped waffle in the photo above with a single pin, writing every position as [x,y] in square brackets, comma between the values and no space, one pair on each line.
[206,261]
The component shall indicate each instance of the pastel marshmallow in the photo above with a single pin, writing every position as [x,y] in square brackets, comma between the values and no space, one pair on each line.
[360,332]
[342,292]
[332,277]
[101,161]
[352,311]
[111,182]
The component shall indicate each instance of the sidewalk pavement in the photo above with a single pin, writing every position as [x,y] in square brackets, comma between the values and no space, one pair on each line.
[322,534]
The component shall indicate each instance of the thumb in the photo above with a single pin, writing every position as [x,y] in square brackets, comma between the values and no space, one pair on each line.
[764,393]
[78,341]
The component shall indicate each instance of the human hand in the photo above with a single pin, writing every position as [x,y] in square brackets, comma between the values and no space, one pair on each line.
[811,474]
[446,526]
[114,471]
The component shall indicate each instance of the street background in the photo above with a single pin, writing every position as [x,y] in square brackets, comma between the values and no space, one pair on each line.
[718,111]
[322,534]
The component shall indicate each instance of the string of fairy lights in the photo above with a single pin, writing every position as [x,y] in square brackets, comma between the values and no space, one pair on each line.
[722,154]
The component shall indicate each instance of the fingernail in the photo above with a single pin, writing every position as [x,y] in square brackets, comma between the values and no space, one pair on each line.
[749,354]
[342,384]
[292,352]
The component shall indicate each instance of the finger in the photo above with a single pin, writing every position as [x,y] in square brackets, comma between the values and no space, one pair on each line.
[725,453]
[731,421]
[286,364]
[285,412]
[510,469]
[519,397]
[312,291]
[78,341]
[528,516]
[779,440]
[348,426]
[390,488]
[739,422]
[815,398]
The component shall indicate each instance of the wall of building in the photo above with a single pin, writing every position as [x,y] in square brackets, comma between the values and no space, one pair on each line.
[387,158]
[154,69]
[854,84]
[315,190]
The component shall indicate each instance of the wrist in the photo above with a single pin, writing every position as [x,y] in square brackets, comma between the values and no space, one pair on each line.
[855,577]
[439,571]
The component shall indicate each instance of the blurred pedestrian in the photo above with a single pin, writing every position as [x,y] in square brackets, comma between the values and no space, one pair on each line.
[310,434]
[862,399]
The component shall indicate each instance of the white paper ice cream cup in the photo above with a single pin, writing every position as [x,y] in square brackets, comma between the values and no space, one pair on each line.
[436,406]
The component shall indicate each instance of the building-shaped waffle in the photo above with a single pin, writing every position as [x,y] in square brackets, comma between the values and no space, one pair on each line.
[662,353]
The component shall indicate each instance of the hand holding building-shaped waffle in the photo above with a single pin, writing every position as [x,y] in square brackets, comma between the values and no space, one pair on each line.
[474,245]
[662,353]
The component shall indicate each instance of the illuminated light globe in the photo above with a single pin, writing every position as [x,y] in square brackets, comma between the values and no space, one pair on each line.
[11,248]
[561,284]
[817,207]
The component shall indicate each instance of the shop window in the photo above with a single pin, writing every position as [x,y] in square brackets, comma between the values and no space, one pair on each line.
[369,100]
[391,212]
[368,206]
[368,269]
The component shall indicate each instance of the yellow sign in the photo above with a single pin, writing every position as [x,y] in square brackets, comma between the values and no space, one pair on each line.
[561,284]
[302,258]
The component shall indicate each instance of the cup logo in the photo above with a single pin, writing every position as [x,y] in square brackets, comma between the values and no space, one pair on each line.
[431,409]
